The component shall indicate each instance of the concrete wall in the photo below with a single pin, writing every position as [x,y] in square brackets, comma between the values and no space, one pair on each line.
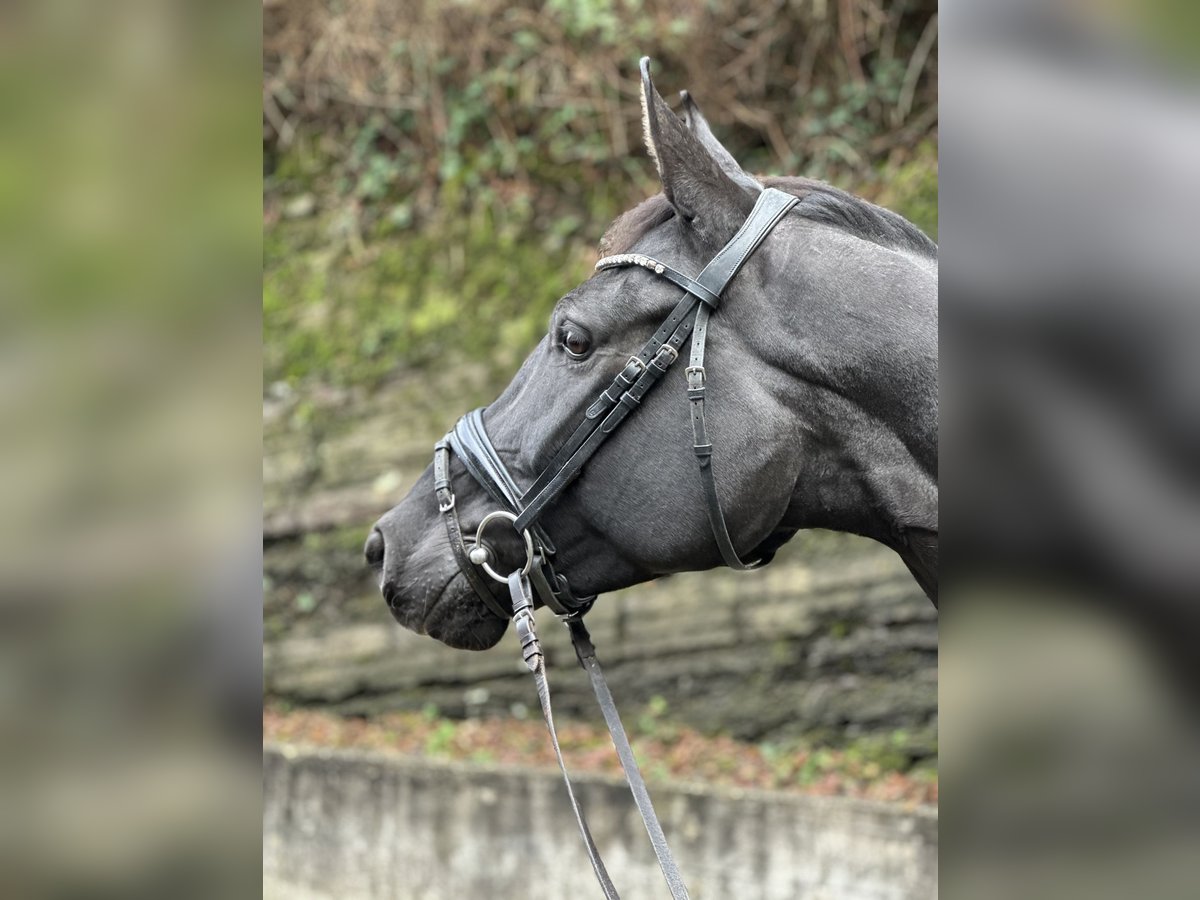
[347,825]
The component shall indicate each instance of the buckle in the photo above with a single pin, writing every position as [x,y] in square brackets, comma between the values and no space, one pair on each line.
[671,350]
[637,363]
[696,372]
[444,506]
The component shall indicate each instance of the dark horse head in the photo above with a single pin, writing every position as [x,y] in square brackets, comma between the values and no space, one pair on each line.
[822,402]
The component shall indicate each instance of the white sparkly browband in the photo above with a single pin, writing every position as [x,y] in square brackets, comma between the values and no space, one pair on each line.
[660,268]
[631,259]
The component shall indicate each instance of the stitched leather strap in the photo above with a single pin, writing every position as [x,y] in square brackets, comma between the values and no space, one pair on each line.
[626,389]
[447,507]
[535,660]
[703,450]
[661,354]
[586,652]
[771,206]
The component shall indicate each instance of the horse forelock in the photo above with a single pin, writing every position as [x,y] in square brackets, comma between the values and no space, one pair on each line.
[632,225]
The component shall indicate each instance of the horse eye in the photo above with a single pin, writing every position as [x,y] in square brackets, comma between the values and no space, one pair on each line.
[576,343]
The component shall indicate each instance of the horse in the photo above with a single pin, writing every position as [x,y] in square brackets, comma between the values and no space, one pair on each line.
[820,386]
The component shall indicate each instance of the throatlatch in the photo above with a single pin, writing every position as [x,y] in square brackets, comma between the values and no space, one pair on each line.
[523,508]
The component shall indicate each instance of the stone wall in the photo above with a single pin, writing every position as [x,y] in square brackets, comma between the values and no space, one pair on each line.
[349,826]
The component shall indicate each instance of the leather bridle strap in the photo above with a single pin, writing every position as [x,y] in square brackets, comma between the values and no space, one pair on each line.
[447,506]
[771,207]
[470,442]
[535,660]
[531,651]
[593,417]
[586,652]
[601,419]
[703,294]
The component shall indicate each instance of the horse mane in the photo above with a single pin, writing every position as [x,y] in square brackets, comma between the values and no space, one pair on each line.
[819,202]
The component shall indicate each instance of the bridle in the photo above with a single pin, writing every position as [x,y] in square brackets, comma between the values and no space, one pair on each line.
[470,442]
[523,508]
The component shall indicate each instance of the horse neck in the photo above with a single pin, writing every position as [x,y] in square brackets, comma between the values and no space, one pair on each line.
[855,474]
[864,397]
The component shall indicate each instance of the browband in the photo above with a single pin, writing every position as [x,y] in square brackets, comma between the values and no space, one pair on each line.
[769,208]
[661,268]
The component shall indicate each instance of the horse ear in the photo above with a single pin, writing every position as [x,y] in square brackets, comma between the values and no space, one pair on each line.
[693,180]
[698,126]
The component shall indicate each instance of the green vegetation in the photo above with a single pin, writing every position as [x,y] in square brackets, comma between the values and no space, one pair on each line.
[476,282]
[437,176]
[911,189]
[469,285]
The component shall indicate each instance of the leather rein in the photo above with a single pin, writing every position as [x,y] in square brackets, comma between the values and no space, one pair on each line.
[522,508]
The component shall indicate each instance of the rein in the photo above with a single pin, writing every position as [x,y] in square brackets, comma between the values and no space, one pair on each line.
[523,508]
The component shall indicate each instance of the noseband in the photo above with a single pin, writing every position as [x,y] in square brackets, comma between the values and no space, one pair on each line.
[524,507]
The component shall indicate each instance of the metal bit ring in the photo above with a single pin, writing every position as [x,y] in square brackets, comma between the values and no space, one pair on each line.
[504,514]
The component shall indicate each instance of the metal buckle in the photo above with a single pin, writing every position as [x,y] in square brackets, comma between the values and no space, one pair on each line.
[637,363]
[671,350]
[445,507]
[697,371]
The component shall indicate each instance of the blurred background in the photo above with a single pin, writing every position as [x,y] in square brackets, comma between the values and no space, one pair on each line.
[1070,449]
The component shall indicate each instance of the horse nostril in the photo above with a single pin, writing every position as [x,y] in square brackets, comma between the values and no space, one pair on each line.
[373,550]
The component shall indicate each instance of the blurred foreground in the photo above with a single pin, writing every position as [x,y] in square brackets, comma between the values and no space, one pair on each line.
[129,347]
[1070,292]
